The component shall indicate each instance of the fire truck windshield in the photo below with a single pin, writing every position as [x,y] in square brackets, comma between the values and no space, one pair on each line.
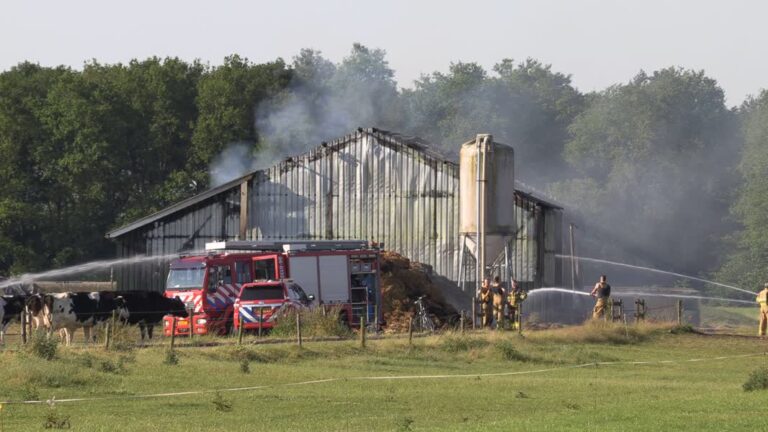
[186,278]
[268,292]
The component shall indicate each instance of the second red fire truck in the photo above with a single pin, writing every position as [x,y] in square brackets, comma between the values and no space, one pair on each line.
[339,275]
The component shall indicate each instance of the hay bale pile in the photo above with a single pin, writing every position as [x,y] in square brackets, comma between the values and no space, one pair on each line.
[402,282]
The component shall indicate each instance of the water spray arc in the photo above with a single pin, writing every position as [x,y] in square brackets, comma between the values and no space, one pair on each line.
[84,268]
[618,264]
[644,294]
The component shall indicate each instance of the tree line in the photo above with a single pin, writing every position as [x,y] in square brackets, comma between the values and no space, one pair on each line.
[656,170]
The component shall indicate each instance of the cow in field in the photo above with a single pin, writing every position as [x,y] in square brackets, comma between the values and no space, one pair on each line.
[11,307]
[36,310]
[69,311]
[147,309]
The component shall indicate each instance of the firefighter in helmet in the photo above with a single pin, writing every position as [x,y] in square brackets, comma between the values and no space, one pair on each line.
[485,302]
[762,299]
[514,300]
[498,292]
[602,291]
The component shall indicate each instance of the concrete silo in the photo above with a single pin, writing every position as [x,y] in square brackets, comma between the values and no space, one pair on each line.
[487,209]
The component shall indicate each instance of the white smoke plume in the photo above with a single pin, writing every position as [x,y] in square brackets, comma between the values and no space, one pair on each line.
[236,160]
[323,102]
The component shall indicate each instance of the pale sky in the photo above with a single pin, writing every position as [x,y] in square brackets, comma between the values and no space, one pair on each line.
[598,42]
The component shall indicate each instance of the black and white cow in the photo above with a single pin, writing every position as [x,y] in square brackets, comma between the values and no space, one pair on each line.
[36,310]
[69,311]
[147,309]
[11,307]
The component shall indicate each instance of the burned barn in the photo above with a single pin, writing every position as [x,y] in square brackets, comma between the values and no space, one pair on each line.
[372,185]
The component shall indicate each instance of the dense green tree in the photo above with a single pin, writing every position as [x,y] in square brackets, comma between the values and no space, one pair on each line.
[747,259]
[654,159]
[24,194]
[526,105]
[227,99]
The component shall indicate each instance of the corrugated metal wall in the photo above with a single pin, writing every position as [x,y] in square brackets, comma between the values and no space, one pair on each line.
[368,185]
[210,220]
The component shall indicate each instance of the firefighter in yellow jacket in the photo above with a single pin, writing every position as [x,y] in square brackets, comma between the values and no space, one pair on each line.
[485,302]
[762,299]
[498,292]
[515,298]
[602,291]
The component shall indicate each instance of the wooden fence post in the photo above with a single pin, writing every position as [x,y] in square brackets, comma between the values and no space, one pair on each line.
[679,312]
[173,331]
[362,331]
[461,322]
[114,321]
[474,313]
[410,330]
[261,320]
[191,323]
[298,328]
[639,310]
[23,319]
[108,333]
[239,329]
[29,321]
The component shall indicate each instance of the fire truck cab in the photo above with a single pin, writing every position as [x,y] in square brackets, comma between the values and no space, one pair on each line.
[340,275]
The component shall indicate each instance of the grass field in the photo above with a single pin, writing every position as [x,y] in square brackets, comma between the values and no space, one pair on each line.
[451,392]
[739,319]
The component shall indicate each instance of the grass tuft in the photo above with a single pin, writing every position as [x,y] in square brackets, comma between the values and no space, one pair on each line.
[171,358]
[510,353]
[55,420]
[220,403]
[245,366]
[758,380]
[599,332]
[682,329]
[314,323]
[456,344]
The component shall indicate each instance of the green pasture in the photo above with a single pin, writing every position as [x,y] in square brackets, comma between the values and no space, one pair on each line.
[444,383]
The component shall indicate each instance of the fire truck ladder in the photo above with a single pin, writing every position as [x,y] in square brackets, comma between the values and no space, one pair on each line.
[287,245]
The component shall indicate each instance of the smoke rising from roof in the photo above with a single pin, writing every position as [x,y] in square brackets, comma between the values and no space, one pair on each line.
[323,102]
[235,161]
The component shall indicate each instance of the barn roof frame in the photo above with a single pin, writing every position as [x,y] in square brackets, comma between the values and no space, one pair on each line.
[393,140]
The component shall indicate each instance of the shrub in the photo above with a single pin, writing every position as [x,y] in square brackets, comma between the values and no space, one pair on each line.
[509,352]
[54,420]
[758,380]
[220,403]
[171,358]
[43,346]
[122,338]
[87,360]
[245,366]
[29,392]
[107,366]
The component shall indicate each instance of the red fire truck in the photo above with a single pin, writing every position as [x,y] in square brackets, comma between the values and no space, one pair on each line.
[343,275]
